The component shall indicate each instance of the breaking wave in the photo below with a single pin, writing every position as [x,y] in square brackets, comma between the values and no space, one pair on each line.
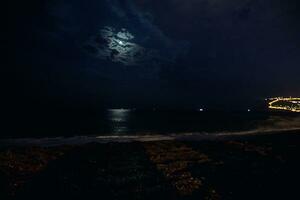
[273,125]
[80,140]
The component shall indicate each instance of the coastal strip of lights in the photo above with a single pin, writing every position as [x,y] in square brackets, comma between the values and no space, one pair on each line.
[286,108]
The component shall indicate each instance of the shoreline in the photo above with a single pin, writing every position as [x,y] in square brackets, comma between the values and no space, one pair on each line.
[82,140]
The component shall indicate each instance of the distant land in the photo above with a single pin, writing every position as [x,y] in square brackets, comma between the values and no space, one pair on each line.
[291,104]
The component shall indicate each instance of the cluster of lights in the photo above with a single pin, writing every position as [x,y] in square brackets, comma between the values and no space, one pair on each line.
[295,101]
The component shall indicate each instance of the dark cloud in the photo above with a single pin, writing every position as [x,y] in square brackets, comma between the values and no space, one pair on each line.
[206,50]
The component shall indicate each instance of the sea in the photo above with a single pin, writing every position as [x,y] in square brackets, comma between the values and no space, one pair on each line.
[134,124]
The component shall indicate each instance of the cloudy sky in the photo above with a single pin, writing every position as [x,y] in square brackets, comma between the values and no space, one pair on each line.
[171,53]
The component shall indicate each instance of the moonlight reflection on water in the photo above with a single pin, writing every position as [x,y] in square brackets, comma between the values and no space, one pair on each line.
[119,120]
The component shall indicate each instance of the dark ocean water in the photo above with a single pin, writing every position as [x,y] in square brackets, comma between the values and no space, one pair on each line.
[123,122]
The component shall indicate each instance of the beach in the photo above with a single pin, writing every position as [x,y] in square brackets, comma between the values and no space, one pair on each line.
[260,166]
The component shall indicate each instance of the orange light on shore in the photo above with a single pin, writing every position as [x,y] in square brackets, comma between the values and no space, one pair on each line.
[291,100]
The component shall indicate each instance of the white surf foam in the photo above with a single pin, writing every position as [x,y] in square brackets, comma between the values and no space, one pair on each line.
[80,140]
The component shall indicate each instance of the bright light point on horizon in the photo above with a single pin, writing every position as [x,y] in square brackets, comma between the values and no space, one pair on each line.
[249,110]
[201,109]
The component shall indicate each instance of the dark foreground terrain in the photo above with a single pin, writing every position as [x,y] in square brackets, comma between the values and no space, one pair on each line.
[248,167]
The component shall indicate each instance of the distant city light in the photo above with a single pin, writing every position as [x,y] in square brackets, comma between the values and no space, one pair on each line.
[288,104]
[201,109]
[249,110]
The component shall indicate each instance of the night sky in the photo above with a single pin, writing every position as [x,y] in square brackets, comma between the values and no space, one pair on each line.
[214,53]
